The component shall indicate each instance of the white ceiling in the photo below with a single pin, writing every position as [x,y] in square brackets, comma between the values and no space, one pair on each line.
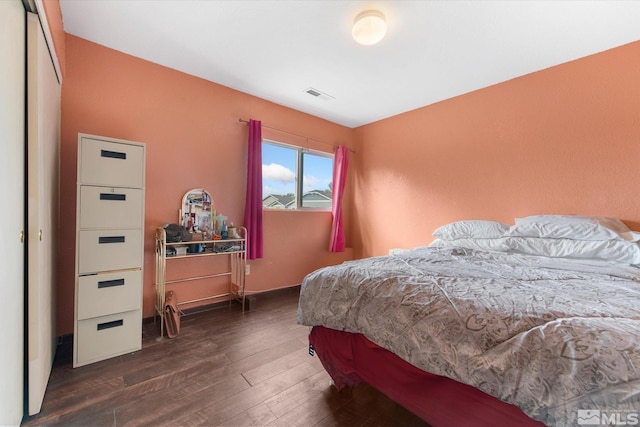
[433,50]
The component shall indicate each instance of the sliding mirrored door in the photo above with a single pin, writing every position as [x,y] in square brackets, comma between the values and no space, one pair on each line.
[43,119]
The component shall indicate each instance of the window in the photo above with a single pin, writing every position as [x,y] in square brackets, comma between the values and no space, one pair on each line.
[295,177]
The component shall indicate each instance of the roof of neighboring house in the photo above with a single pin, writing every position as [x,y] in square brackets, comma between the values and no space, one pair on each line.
[279,200]
[317,195]
[289,200]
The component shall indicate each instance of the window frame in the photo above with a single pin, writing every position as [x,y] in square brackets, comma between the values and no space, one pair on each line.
[299,174]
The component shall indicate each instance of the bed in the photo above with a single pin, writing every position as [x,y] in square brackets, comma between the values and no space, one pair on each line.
[494,324]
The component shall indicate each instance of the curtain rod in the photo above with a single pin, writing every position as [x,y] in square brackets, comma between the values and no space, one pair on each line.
[241,120]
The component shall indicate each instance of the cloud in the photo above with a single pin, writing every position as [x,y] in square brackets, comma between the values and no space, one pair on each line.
[311,182]
[276,172]
[270,189]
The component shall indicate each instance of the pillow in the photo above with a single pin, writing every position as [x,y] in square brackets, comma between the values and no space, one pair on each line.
[610,250]
[572,227]
[471,229]
[498,245]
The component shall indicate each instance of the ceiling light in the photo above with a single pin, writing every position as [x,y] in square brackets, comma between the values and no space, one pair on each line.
[369,27]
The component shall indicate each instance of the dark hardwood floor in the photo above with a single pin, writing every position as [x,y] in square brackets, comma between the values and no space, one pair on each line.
[225,368]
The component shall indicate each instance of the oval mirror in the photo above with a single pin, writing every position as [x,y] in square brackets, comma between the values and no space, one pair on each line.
[197,210]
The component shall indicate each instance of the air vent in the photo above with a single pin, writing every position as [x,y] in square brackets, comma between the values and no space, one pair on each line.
[318,94]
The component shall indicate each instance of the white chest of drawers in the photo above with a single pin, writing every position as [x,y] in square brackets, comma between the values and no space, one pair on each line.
[109,248]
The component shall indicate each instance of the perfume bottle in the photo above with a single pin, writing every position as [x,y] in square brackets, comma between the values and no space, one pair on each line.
[224,230]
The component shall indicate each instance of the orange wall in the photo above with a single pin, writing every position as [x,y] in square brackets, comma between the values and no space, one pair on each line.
[193,139]
[565,140]
[562,140]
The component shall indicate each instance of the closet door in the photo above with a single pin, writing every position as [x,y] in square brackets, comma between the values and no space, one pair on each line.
[43,118]
[12,104]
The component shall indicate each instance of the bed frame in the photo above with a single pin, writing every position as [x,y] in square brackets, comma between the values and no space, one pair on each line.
[351,358]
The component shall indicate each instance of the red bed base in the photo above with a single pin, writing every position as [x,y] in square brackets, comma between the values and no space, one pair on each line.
[351,358]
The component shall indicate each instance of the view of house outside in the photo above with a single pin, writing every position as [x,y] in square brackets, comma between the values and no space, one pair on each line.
[279,178]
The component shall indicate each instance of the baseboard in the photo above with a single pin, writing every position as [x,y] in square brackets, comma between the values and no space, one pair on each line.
[251,300]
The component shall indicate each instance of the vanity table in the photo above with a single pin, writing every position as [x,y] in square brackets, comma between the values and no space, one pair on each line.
[197,215]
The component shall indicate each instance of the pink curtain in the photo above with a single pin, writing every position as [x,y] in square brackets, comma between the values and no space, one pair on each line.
[253,204]
[340,165]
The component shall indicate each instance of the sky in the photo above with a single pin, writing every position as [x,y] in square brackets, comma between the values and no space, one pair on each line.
[279,171]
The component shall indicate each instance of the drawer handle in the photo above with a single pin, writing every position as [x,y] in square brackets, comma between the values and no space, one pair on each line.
[109,325]
[110,283]
[113,154]
[111,239]
[111,196]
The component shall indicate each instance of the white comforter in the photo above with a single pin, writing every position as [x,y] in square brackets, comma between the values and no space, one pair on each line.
[549,335]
